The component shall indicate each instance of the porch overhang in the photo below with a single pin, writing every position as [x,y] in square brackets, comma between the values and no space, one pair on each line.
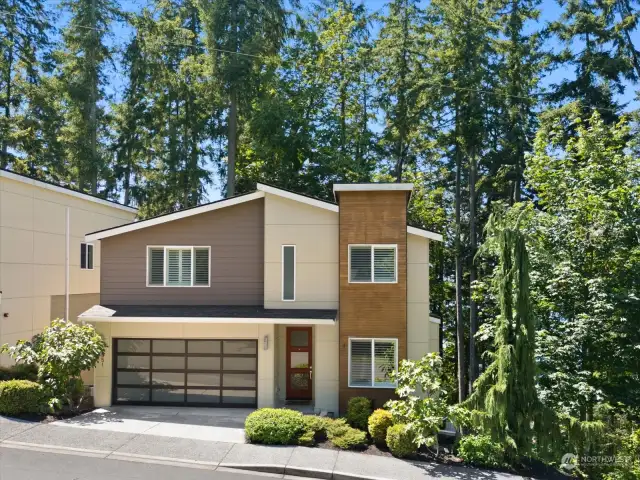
[206,314]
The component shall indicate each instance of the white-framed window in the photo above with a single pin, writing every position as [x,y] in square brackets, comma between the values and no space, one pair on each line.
[373,263]
[288,273]
[371,361]
[86,256]
[178,266]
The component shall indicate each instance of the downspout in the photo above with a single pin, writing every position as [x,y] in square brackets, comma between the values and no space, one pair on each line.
[66,267]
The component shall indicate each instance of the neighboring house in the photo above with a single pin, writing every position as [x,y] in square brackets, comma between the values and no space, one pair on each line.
[264,298]
[33,246]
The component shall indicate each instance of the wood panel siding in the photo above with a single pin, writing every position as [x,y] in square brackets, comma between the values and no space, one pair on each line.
[236,237]
[372,309]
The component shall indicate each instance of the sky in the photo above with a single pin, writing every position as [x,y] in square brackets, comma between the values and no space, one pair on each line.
[549,11]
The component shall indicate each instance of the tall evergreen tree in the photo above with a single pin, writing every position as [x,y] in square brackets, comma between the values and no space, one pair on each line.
[239,34]
[400,55]
[24,43]
[82,73]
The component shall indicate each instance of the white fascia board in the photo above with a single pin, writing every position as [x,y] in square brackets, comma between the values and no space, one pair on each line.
[297,198]
[372,187]
[424,233]
[92,237]
[65,191]
[434,320]
[271,321]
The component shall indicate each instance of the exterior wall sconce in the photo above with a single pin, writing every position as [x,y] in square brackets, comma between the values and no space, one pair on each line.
[265,342]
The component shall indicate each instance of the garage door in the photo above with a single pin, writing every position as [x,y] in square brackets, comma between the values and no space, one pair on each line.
[185,372]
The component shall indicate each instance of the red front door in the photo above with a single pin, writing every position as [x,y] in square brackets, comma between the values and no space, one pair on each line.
[299,359]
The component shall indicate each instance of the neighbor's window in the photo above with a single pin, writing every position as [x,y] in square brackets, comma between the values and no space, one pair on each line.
[86,256]
[178,266]
[372,263]
[288,273]
[371,361]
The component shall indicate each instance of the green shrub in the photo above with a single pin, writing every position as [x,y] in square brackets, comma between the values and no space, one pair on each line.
[481,451]
[345,437]
[401,441]
[19,372]
[317,426]
[62,352]
[358,411]
[20,396]
[379,421]
[307,439]
[274,426]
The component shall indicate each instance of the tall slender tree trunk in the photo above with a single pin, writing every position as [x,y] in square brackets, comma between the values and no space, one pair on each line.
[232,144]
[473,307]
[93,99]
[233,132]
[4,161]
[458,248]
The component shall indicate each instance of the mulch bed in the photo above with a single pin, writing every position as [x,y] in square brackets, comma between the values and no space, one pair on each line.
[534,469]
[50,417]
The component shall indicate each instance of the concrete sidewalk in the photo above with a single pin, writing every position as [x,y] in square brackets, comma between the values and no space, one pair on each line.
[209,454]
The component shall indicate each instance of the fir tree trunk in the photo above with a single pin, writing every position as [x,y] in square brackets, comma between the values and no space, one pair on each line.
[473,307]
[458,251]
[233,132]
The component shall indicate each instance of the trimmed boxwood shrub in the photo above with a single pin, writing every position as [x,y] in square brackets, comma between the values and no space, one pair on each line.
[20,396]
[379,421]
[400,441]
[274,426]
[481,451]
[345,437]
[358,411]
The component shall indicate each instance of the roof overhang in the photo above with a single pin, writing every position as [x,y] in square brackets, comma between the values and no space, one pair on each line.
[65,191]
[261,191]
[424,233]
[296,197]
[98,313]
[209,207]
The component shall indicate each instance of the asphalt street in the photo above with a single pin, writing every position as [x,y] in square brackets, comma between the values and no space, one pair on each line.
[17,464]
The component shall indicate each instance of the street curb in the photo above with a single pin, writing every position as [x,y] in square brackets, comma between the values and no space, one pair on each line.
[255,467]
[85,452]
[308,472]
[176,462]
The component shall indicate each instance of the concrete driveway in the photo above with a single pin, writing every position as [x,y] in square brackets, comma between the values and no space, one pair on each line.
[213,424]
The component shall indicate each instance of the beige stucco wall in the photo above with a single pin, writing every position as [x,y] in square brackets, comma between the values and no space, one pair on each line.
[32,251]
[266,358]
[314,232]
[422,333]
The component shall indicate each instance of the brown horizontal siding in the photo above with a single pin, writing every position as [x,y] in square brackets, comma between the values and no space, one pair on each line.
[367,309]
[236,237]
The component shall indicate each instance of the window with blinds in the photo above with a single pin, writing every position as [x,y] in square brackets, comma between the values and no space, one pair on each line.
[372,263]
[178,266]
[371,361]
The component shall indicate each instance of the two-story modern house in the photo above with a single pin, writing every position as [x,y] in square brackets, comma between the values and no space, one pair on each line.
[47,270]
[263,299]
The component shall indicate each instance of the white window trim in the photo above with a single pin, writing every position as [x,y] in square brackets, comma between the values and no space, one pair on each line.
[164,265]
[295,273]
[373,361]
[87,255]
[373,247]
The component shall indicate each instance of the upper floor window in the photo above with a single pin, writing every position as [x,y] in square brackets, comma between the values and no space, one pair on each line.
[288,273]
[86,256]
[373,263]
[178,266]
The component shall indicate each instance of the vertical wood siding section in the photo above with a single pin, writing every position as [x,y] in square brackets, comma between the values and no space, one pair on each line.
[236,237]
[369,309]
